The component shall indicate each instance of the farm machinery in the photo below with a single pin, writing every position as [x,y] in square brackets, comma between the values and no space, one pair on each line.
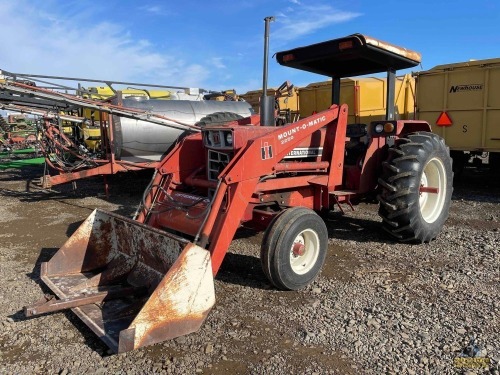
[17,133]
[102,130]
[140,281]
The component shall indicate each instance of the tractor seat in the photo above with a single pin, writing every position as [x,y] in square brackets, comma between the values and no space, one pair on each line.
[356,130]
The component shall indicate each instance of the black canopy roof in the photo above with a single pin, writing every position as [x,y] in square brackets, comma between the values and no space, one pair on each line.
[353,55]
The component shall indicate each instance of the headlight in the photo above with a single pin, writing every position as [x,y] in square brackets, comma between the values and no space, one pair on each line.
[229,139]
[210,138]
[379,128]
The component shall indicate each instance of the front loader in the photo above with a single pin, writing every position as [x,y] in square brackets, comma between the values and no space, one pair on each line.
[142,281]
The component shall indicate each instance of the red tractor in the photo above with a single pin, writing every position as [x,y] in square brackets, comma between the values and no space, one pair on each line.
[151,279]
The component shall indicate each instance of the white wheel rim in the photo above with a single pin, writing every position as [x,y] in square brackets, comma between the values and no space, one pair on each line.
[432,203]
[302,264]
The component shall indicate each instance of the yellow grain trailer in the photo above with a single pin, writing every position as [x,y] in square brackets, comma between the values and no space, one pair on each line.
[366,98]
[461,101]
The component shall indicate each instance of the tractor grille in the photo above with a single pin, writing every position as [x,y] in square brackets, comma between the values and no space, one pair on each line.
[217,161]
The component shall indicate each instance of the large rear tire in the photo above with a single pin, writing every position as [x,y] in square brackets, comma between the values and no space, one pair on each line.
[416,187]
[218,118]
[294,248]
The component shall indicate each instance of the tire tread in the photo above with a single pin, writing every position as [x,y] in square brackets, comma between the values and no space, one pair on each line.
[399,184]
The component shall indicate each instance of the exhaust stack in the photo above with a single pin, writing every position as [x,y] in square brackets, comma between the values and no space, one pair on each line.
[266,102]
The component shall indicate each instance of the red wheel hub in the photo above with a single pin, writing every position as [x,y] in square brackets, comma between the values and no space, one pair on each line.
[428,189]
[298,249]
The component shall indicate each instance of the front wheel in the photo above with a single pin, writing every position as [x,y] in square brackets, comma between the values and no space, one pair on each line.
[416,187]
[294,248]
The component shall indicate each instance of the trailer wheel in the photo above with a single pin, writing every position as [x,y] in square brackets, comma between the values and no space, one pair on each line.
[218,118]
[459,160]
[294,248]
[494,161]
[416,187]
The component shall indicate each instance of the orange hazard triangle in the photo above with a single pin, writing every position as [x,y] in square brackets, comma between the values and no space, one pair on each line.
[444,120]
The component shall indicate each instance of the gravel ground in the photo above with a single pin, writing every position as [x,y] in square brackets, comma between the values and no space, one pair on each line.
[377,307]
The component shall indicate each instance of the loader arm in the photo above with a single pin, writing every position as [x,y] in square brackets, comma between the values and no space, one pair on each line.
[238,181]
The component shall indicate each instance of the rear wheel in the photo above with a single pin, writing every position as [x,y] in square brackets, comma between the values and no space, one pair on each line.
[294,248]
[218,118]
[416,187]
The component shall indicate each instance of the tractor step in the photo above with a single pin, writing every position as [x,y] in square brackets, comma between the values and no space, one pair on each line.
[343,196]
[340,193]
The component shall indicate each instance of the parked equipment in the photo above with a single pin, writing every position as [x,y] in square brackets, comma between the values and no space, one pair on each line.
[17,133]
[462,102]
[365,96]
[286,102]
[102,131]
[140,140]
[139,282]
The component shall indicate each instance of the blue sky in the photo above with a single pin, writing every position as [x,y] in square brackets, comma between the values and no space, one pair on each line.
[218,44]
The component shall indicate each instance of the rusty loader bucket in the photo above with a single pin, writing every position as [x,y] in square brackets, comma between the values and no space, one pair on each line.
[133,285]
